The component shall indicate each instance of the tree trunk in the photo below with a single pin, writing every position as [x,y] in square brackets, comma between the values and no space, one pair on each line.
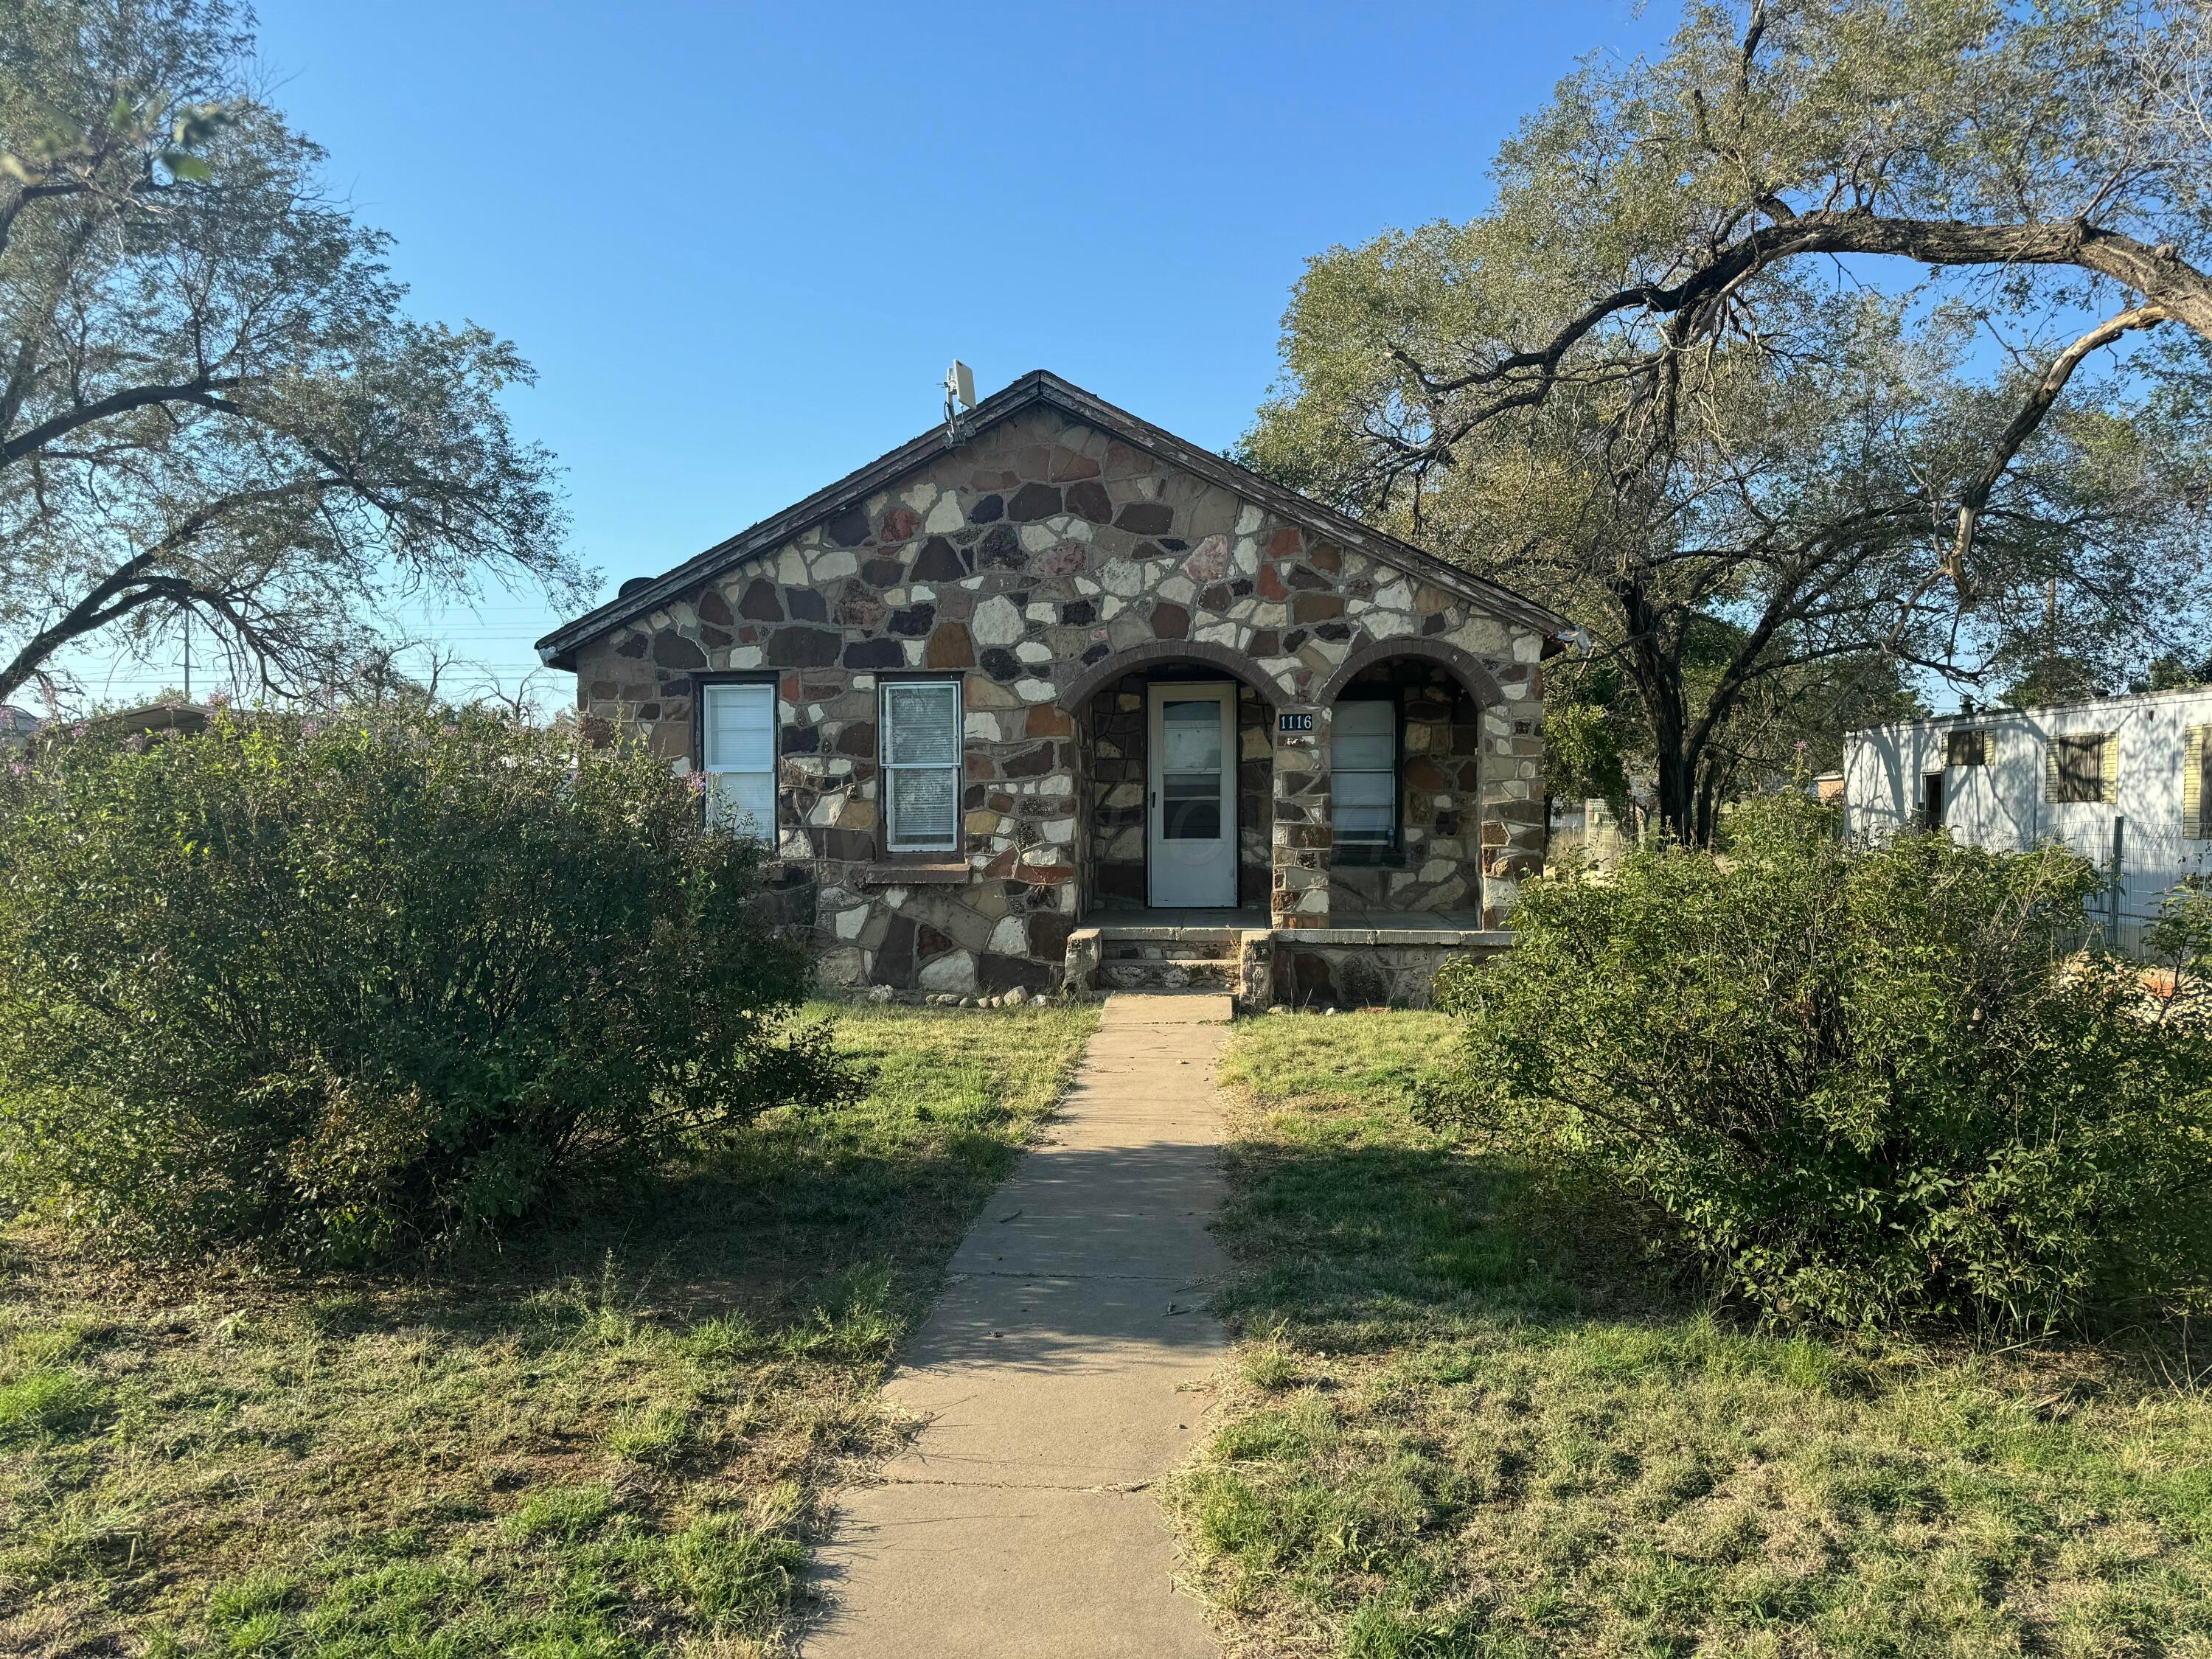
[1656,673]
[1662,690]
[1709,793]
[1678,778]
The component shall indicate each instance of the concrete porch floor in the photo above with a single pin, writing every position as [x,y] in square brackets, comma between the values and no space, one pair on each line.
[1136,923]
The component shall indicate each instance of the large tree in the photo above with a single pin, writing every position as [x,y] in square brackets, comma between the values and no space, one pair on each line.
[1764,480]
[212,403]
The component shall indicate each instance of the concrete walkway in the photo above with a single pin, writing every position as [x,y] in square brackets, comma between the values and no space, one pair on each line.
[1060,1373]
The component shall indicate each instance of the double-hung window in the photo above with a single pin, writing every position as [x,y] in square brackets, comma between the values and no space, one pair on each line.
[1363,763]
[737,754]
[921,728]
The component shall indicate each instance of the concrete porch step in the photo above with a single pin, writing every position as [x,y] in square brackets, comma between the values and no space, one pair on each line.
[1162,951]
[1168,974]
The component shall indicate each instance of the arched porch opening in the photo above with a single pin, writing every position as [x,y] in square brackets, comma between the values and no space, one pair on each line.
[1111,703]
[1406,783]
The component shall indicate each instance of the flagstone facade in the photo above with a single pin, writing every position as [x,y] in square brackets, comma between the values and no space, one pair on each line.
[1055,558]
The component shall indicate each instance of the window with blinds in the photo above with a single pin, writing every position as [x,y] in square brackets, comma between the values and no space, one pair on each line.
[1363,763]
[920,741]
[1968,747]
[2082,768]
[737,726]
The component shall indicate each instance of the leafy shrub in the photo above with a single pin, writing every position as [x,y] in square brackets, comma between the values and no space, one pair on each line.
[347,984]
[1860,1084]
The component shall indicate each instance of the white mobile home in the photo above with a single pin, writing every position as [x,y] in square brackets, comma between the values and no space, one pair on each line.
[2134,773]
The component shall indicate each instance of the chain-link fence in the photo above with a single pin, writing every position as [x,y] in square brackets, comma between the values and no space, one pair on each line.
[2143,862]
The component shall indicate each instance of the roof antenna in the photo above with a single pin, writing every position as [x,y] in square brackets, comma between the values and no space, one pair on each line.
[960,388]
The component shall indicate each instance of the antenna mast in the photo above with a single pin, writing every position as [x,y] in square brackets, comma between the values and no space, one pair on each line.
[959,393]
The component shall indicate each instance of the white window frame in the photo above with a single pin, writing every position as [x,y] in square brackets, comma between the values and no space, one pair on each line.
[1386,838]
[894,842]
[717,762]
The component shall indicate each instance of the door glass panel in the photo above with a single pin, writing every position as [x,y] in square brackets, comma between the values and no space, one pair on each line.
[1190,771]
[1193,734]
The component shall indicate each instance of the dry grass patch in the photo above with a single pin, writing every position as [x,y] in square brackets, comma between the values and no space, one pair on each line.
[1460,1428]
[611,1440]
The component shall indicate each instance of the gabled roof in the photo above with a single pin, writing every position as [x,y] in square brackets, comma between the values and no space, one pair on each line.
[1039,388]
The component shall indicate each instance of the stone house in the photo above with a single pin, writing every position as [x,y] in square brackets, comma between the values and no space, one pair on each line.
[1052,697]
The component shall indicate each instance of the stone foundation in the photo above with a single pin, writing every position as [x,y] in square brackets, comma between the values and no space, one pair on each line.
[1361,967]
[1319,967]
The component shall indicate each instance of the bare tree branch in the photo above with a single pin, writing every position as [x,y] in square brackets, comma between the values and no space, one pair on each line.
[2038,405]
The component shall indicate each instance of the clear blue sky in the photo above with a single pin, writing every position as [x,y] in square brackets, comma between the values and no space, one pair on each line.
[740,244]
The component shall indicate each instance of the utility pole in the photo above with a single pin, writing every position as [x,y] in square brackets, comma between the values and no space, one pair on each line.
[188,655]
[2051,635]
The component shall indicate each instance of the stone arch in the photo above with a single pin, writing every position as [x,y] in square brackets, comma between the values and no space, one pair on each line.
[1104,672]
[1463,666]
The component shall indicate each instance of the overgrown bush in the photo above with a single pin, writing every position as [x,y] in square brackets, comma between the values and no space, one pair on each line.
[348,984]
[1862,1085]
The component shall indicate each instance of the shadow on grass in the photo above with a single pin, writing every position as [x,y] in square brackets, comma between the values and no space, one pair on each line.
[1359,1242]
[749,1232]
[787,1209]
[1469,1417]
[608,1434]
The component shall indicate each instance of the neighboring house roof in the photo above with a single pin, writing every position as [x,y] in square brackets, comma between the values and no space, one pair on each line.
[17,722]
[1990,714]
[1034,390]
[158,717]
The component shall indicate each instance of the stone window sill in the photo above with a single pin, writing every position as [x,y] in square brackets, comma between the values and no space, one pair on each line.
[922,872]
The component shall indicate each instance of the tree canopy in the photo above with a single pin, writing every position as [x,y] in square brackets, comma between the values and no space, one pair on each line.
[1766,480]
[212,402]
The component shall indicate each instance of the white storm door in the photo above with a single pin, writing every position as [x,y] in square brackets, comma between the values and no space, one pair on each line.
[1191,794]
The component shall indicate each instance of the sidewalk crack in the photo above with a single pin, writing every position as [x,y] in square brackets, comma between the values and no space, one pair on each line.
[1024,1485]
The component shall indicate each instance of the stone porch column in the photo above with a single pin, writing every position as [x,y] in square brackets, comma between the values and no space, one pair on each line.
[1302,834]
[1512,813]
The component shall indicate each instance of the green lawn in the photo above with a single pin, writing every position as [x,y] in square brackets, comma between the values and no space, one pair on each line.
[1462,1426]
[612,1439]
